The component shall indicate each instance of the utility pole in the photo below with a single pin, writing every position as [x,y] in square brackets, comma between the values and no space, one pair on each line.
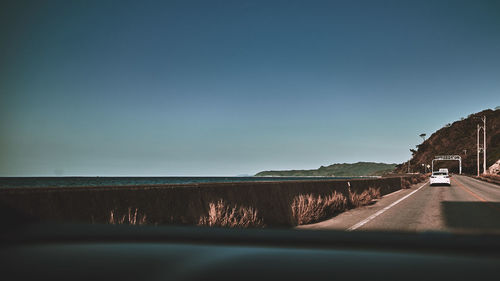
[478,148]
[483,148]
[484,145]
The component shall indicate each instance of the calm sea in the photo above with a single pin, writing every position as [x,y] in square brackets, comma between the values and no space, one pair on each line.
[12,182]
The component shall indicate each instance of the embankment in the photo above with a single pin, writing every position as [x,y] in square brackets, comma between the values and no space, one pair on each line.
[179,204]
[489,178]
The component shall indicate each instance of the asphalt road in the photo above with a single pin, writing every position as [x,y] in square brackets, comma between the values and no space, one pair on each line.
[468,205]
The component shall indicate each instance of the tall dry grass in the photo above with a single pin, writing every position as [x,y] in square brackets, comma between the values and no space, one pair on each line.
[409,181]
[132,218]
[307,208]
[222,215]
[363,198]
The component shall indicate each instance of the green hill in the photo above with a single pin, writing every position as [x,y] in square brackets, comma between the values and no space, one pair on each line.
[337,170]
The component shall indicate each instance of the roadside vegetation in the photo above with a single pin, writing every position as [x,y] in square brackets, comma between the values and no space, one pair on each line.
[490,178]
[305,208]
[131,217]
[309,208]
[222,215]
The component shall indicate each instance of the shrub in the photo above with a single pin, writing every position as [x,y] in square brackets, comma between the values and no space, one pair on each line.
[363,198]
[224,216]
[307,208]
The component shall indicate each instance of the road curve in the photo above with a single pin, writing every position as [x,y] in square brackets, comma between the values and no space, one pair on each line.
[468,205]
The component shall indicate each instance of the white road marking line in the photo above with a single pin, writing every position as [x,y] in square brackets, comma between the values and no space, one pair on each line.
[365,221]
[392,193]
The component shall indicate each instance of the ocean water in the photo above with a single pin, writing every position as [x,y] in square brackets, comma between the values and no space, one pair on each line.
[13,182]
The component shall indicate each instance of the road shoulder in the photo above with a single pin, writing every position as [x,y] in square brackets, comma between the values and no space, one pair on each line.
[350,218]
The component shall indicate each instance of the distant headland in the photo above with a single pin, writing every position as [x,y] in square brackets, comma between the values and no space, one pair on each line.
[336,170]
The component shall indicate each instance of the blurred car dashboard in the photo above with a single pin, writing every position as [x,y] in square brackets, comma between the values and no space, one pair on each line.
[55,251]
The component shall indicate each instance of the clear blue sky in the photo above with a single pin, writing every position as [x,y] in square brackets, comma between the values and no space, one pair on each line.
[235,87]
